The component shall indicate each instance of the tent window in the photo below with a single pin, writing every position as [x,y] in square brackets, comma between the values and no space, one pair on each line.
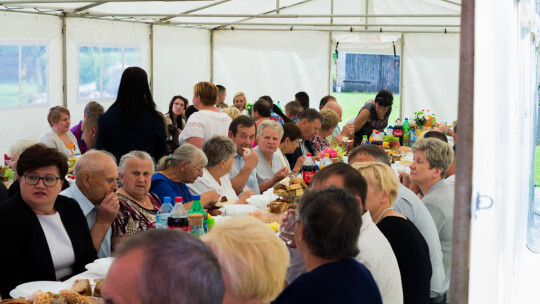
[23,75]
[357,78]
[100,70]
[533,235]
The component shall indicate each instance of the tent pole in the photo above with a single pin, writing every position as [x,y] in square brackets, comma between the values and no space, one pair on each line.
[151,51]
[212,56]
[329,79]
[401,65]
[459,287]
[366,12]
[277,7]
[64,63]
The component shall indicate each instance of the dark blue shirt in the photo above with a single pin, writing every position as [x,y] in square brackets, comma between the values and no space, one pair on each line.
[345,281]
[162,186]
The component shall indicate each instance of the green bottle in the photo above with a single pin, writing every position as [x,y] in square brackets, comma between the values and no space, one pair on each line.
[198,208]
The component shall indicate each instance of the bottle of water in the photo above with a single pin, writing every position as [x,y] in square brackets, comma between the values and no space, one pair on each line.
[326,161]
[163,213]
[413,137]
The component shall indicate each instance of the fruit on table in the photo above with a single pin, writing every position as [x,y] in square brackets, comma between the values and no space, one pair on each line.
[274,226]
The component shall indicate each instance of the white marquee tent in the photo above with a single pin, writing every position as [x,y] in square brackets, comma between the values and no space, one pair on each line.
[284,46]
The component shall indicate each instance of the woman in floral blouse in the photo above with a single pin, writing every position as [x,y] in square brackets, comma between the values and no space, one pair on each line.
[138,207]
[330,121]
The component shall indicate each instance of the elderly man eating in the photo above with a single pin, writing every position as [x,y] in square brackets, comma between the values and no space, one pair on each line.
[94,190]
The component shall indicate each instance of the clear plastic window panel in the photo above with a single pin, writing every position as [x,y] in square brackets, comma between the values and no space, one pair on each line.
[33,75]
[89,72]
[112,71]
[9,75]
[132,57]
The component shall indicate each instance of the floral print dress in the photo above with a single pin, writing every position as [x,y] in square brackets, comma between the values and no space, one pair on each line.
[132,217]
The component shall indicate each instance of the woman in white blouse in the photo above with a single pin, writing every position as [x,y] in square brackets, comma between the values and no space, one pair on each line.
[58,136]
[220,151]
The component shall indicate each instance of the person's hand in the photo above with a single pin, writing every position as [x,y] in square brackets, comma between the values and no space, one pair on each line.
[108,209]
[299,163]
[209,198]
[404,179]
[338,139]
[251,159]
[316,158]
[281,174]
[291,212]
[244,196]
[347,130]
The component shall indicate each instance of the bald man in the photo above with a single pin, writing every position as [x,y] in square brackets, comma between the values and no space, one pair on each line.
[94,190]
[348,129]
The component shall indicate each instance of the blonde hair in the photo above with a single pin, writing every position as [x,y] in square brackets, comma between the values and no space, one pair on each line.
[330,119]
[245,99]
[207,91]
[232,112]
[438,153]
[251,256]
[381,176]
[55,113]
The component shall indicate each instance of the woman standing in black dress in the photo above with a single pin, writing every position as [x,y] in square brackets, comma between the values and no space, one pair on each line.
[373,116]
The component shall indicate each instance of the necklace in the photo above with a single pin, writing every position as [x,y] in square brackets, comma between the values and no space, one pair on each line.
[383,214]
[70,147]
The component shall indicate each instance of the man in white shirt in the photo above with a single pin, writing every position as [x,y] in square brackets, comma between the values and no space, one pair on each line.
[243,175]
[94,189]
[375,251]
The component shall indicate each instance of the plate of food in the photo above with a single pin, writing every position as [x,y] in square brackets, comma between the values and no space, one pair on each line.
[224,201]
[294,189]
[80,291]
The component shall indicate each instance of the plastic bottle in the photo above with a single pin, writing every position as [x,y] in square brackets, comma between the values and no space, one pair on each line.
[279,105]
[377,140]
[428,119]
[308,169]
[406,132]
[371,136]
[178,218]
[413,138]
[390,131]
[325,161]
[163,213]
[197,208]
[398,131]
[196,224]
[433,120]
[364,139]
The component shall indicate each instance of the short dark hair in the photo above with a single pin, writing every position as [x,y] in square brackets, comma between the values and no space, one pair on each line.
[190,110]
[325,100]
[435,134]
[39,156]
[378,153]
[243,121]
[353,182]
[267,98]
[159,247]
[91,120]
[291,131]
[293,108]
[332,220]
[384,98]
[262,107]
[93,106]
[221,89]
[303,99]
[310,115]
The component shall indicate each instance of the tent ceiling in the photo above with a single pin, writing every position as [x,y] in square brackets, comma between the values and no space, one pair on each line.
[330,15]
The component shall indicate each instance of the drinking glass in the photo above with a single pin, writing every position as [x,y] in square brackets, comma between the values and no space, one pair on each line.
[287,231]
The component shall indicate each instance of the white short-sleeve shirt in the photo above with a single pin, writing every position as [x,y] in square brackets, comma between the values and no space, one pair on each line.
[205,124]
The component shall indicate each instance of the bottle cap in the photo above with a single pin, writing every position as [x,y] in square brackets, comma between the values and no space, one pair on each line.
[326,155]
[406,119]
[178,199]
[308,155]
[196,197]
[166,200]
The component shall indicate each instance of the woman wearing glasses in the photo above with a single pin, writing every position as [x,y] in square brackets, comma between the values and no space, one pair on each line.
[44,236]
[182,167]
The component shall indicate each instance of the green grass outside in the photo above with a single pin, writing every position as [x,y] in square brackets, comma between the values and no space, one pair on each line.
[351,103]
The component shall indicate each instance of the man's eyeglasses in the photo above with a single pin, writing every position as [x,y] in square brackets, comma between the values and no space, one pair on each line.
[33,179]
[200,169]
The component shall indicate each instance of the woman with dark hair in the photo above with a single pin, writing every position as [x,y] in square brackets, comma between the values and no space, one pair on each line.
[373,116]
[132,122]
[177,110]
[289,142]
[44,235]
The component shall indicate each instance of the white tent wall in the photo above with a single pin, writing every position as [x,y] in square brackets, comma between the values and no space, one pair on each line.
[181,59]
[278,64]
[30,121]
[430,75]
[100,33]
[505,101]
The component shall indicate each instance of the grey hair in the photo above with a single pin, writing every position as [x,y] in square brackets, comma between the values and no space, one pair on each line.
[186,152]
[270,124]
[88,162]
[134,154]
[20,145]
[438,153]
[218,148]
[159,247]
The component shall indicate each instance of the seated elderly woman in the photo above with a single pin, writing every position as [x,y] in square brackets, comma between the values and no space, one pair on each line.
[254,261]
[408,244]
[220,151]
[289,142]
[329,123]
[44,235]
[272,166]
[14,152]
[182,167]
[138,207]
[59,136]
